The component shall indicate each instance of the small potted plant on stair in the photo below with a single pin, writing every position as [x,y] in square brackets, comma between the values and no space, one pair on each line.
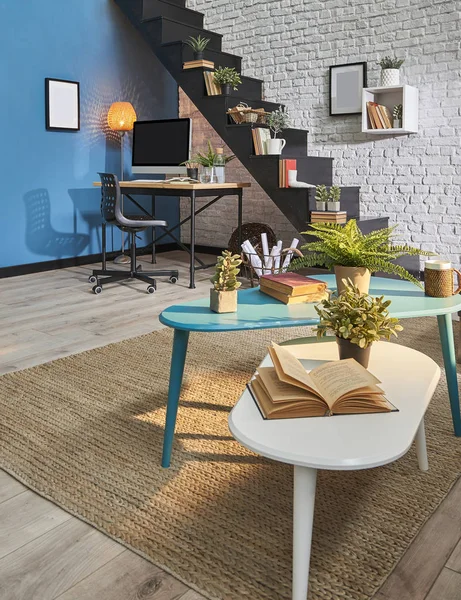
[198,45]
[390,70]
[321,197]
[223,294]
[278,120]
[354,255]
[334,198]
[228,79]
[357,320]
[397,116]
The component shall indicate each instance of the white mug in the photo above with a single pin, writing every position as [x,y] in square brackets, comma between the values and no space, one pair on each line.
[275,146]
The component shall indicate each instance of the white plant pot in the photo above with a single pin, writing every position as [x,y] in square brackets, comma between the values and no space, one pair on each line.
[396,124]
[390,77]
[321,206]
[334,206]
[275,146]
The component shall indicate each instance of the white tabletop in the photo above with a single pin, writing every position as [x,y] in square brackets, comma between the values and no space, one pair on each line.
[345,442]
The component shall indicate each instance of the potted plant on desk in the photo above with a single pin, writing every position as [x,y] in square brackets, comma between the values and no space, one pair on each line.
[206,160]
[223,294]
[357,320]
[354,255]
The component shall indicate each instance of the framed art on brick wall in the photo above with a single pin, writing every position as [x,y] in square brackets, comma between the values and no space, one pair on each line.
[346,85]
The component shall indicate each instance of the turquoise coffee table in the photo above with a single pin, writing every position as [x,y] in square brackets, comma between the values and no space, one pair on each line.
[258,311]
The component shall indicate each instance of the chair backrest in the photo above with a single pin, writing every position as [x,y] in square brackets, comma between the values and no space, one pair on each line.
[110,197]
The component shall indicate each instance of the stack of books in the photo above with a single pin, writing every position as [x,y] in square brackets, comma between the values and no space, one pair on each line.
[260,137]
[285,165]
[196,64]
[212,88]
[328,217]
[292,288]
[379,116]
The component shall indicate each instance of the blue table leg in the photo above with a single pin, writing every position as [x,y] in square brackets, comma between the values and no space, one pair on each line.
[449,359]
[178,359]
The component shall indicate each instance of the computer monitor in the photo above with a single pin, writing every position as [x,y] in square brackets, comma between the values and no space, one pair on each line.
[161,146]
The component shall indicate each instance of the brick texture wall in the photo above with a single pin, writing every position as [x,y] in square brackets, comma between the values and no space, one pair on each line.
[415,179]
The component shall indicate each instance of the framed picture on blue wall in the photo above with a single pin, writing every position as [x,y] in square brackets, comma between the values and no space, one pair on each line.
[62,105]
[346,85]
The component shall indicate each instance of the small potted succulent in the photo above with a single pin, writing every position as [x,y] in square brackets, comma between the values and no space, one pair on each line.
[397,116]
[390,74]
[334,199]
[357,320]
[228,79]
[321,197]
[198,45]
[278,120]
[223,294]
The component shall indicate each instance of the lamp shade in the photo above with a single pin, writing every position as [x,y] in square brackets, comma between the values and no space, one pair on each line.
[121,116]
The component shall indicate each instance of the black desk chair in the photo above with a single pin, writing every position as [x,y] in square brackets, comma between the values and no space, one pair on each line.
[112,215]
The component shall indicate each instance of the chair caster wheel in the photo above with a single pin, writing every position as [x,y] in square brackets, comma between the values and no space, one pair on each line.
[151,289]
[92,279]
[97,289]
[173,279]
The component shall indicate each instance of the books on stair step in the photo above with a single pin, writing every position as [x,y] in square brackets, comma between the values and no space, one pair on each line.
[212,88]
[285,165]
[328,217]
[379,116]
[260,137]
[196,64]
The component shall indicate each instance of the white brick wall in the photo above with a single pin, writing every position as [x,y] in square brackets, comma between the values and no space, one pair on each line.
[416,179]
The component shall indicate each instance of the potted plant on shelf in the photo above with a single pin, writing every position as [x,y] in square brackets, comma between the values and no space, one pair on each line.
[227,78]
[355,255]
[397,116]
[198,45]
[334,199]
[390,73]
[278,120]
[223,294]
[321,197]
[206,160]
[357,320]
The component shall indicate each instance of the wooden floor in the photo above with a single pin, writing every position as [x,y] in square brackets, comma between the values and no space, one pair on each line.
[45,553]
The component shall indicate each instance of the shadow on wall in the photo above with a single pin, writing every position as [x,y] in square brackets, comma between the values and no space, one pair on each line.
[41,238]
[87,208]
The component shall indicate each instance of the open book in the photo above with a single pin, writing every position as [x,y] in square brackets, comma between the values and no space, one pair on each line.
[181,180]
[339,387]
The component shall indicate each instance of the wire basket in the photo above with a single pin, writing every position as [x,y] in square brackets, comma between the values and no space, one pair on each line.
[269,266]
[242,113]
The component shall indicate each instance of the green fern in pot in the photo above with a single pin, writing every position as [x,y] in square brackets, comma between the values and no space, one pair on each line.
[355,255]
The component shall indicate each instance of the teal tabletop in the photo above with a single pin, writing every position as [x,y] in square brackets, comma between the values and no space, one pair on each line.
[259,311]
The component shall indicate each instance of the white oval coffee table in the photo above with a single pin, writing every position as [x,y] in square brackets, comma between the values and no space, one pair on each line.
[348,442]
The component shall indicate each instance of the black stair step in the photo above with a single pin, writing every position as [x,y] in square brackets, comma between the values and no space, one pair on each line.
[162,30]
[176,2]
[252,88]
[174,54]
[132,8]
[171,10]
[315,170]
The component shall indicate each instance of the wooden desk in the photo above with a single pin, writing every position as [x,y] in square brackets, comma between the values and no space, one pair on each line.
[184,190]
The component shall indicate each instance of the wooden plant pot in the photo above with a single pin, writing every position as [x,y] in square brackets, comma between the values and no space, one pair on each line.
[223,302]
[348,350]
[360,276]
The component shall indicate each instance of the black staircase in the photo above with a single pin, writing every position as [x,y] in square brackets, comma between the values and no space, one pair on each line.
[165,25]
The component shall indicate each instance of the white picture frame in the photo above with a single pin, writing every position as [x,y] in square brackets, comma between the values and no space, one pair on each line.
[62,105]
[346,85]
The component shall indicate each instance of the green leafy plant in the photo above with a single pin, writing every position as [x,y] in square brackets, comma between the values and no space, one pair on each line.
[347,246]
[198,44]
[321,193]
[227,269]
[397,112]
[360,318]
[227,76]
[391,63]
[206,159]
[335,193]
[278,120]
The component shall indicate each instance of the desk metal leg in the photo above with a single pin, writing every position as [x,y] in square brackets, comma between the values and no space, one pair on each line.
[192,240]
[103,244]
[178,358]
[240,213]
[303,519]
[449,359]
[154,258]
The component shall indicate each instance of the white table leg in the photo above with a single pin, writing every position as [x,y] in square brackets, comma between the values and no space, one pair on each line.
[303,518]
[421,449]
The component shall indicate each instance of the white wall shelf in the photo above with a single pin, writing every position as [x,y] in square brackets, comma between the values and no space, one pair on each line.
[406,95]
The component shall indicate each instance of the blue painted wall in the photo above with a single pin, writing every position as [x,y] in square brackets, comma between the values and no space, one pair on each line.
[48,207]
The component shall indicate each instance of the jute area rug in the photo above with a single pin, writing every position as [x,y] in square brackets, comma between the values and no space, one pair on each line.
[86,432]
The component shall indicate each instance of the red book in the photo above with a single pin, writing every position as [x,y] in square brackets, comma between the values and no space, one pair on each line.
[286,164]
[293,284]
